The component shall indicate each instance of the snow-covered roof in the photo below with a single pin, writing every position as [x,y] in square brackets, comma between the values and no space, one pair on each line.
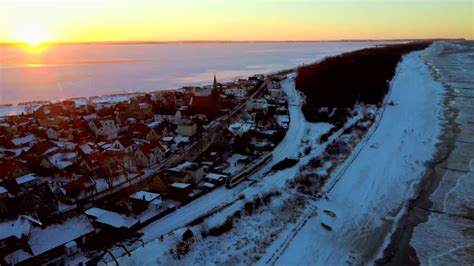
[65,144]
[179,139]
[25,179]
[282,119]
[184,166]
[156,202]
[62,160]
[154,124]
[90,117]
[113,219]
[15,228]
[41,240]
[95,212]
[17,256]
[167,139]
[86,149]
[145,196]
[24,140]
[208,185]
[180,185]
[214,176]
[240,127]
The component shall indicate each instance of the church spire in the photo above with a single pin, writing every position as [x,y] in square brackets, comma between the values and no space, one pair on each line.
[215,82]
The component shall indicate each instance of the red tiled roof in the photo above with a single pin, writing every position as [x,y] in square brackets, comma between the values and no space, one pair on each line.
[138,128]
[8,167]
[147,148]
[125,141]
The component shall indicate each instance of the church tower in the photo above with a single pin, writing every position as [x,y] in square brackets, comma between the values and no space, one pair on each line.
[216,98]
[215,83]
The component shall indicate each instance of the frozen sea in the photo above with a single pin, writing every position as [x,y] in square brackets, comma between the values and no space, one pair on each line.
[68,71]
[447,238]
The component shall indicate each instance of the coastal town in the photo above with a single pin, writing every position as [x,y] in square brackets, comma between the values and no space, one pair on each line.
[94,173]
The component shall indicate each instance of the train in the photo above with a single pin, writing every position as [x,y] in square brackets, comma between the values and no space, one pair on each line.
[251,168]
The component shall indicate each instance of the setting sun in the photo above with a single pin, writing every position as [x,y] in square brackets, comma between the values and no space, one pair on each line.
[31,35]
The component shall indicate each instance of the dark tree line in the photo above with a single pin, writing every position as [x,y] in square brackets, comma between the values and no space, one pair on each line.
[359,76]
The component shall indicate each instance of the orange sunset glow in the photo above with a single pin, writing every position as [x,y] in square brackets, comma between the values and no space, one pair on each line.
[35,22]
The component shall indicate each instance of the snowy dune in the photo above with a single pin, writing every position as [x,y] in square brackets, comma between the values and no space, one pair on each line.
[378,177]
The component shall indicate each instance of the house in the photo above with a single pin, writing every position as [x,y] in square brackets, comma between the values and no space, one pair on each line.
[185,172]
[157,183]
[90,164]
[283,120]
[240,128]
[69,237]
[66,135]
[265,121]
[52,133]
[26,140]
[142,199]
[86,149]
[124,144]
[60,160]
[27,181]
[105,127]
[80,188]
[235,91]
[114,163]
[110,220]
[217,179]
[13,235]
[11,168]
[142,131]
[256,104]
[150,154]
[207,186]
[180,191]
[186,127]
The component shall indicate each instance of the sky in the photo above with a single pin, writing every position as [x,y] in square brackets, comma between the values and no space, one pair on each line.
[36,21]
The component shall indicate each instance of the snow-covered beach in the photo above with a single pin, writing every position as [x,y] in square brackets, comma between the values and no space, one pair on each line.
[378,178]
[439,225]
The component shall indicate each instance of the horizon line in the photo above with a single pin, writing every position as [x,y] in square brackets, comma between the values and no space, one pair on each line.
[221,41]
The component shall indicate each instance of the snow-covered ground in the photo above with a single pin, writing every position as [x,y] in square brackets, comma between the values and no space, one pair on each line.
[368,191]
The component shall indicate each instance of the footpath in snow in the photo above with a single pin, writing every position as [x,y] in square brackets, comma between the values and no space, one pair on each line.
[369,190]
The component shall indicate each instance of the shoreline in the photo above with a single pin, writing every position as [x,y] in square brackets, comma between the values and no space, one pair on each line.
[175,70]
[399,251]
[102,99]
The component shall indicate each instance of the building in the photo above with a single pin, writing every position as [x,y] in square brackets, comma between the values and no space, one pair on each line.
[124,144]
[186,172]
[105,127]
[206,101]
[186,127]
[150,154]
